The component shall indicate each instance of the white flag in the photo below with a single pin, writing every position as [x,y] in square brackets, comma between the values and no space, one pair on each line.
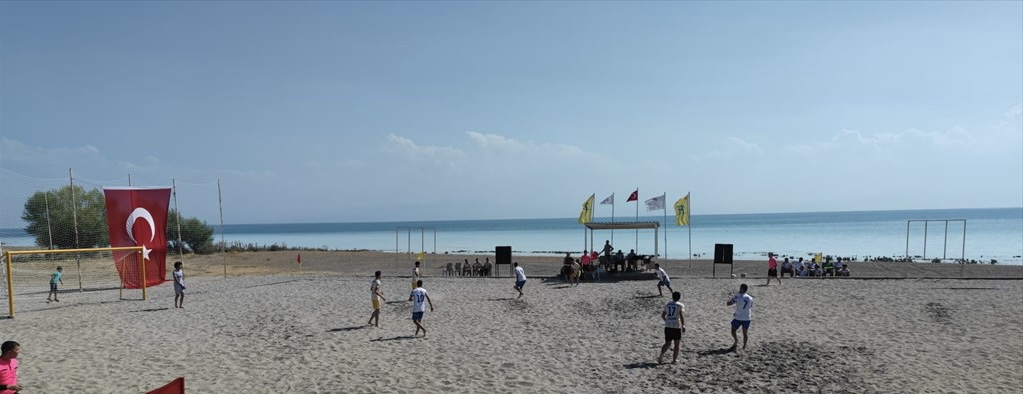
[655,203]
[610,200]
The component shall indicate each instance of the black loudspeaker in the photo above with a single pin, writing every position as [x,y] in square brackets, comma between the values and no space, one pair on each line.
[722,253]
[503,255]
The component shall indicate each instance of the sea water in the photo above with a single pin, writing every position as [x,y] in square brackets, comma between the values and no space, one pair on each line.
[990,234]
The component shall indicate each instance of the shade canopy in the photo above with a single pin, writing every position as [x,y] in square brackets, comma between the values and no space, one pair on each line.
[622,225]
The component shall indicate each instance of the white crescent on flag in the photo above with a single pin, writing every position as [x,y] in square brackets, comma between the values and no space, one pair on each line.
[140,213]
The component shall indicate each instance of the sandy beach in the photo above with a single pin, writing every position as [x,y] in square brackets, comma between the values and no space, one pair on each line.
[921,328]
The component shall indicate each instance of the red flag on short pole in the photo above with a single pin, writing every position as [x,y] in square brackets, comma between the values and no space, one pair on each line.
[299,258]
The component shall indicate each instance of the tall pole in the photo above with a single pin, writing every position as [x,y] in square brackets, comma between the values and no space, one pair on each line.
[49,229]
[612,218]
[223,245]
[174,190]
[637,218]
[664,207]
[129,180]
[690,226]
[74,215]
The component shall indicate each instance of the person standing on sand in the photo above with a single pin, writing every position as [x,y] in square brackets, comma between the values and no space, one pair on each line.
[520,278]
[376,297]
[417,297]
[53,283]
[9,351]
[415,274]
[663,280]
[179,285]
[742,316]
[674,326]
[772,269]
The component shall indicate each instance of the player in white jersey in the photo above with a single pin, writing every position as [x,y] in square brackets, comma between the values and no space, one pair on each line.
[663,280]
[674,326]
[520,278]
[743,315]
[376,297]
[418,296]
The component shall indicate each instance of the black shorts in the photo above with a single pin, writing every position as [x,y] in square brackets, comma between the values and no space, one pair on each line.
[672,334]
[772,272]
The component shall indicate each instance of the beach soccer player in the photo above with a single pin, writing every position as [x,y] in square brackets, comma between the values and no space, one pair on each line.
[663,280]
[674,326]
[54,279]
[415,275]
[772,269]
[520,278]
[743,315]
[419,300]
[9,351]
[179,285]
[377,298]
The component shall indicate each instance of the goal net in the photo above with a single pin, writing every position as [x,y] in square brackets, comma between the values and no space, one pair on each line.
[80,275]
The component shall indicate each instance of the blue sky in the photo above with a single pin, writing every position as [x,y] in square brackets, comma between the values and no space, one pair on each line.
[380,111]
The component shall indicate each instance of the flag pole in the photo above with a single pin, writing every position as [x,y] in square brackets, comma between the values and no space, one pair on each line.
[664,207]
[690,225]
[637,218]
[612,218]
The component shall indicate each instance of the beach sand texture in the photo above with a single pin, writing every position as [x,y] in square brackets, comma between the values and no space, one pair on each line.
[306,333]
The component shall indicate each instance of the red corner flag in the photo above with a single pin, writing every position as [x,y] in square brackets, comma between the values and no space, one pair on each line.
[176,386]
[299,258]
[137,216]
[634,196]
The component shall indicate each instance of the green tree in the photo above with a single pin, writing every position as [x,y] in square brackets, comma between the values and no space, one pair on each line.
[53,212]
[196,236]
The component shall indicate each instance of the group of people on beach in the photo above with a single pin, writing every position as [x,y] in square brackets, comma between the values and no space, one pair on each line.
[420,297]
[673,312]
[804,269]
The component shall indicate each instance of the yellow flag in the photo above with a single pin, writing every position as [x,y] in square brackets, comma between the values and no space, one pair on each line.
[682,211]
[421,256]
[819,257]
[586,215]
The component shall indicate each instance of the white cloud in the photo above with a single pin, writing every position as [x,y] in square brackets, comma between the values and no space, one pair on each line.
[735,147]
[746,145]
[410,150]
[1015,112]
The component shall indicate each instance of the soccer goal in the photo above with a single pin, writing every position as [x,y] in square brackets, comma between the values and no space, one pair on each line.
[79,274]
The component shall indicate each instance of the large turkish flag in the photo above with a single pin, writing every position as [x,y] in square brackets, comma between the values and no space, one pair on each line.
[138,217]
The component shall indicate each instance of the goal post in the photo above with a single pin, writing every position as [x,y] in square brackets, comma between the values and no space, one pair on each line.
[30,272]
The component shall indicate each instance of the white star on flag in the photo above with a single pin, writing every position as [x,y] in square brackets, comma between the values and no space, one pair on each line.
[145,252]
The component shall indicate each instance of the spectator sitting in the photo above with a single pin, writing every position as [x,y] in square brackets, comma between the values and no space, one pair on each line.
[844,271]
[829,268]
[786,267]
[632,257]
[477,268]
[619,261]
[799,267]
[585,260]
[487,267]
[466,268]
[815,270]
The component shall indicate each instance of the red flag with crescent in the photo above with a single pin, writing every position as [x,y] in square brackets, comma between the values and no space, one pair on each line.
[137,216]
[633,197]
